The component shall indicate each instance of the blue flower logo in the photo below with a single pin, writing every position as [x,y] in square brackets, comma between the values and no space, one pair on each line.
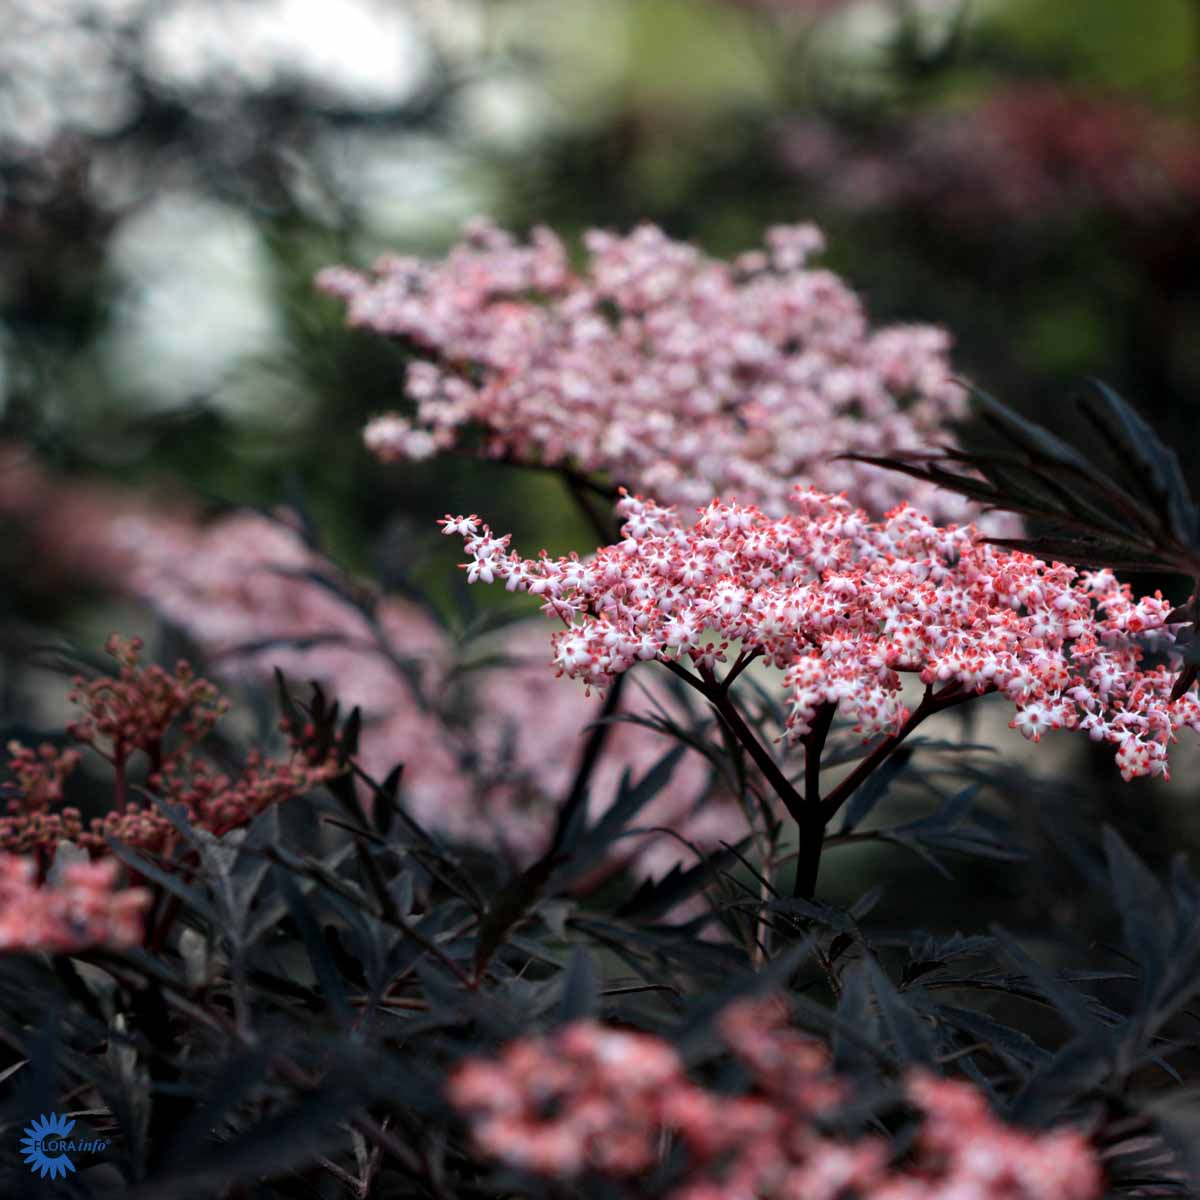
[41,1147]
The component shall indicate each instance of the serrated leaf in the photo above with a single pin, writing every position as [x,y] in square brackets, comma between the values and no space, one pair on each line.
[1096,521]
[908,1033]
[236,1079]
[1085,552]
[633,797]
[653,898]
[384,808]
[826,915]
[1075,1071]
[1064,999]
[319,956]
[1153,467]
[1035,440]
[1145,914]
[510,906]
[192,897]
[854,1012]
[289,1139]
[1178,1130]
[1006,1042]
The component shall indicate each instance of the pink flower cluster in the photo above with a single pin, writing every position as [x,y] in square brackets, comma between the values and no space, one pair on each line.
[681,375]
[593,1098]
[84,909]
[846,607]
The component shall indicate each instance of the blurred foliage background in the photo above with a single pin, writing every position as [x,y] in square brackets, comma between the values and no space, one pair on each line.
[172,173]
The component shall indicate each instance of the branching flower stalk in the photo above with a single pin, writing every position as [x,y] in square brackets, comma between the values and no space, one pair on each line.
[811,811]
[846,608]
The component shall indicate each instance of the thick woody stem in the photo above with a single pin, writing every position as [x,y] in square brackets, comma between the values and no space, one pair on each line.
[811,829]
[810,812]
[814,744]
[743,661]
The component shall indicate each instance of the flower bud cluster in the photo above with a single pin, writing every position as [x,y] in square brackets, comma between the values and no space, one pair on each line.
[681,375]
[83,909]
[166,717]
[37,776]
[846,607]
[594,1098]
[135,709]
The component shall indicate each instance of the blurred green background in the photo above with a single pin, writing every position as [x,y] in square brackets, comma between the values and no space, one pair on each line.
[173,173]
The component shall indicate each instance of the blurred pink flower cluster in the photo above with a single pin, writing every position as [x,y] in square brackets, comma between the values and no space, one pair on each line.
[84,908]
[683,376]
[60,529]
[845,607]
[595,1098]
[1028,152]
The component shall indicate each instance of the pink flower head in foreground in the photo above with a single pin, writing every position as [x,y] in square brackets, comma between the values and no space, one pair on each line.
[681,375]
[845,607]
[590,1097]
[83,909]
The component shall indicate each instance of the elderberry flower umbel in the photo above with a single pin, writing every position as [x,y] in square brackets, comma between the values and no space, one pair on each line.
[84,908]
[681,375]
[591,1098]
[845,607]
